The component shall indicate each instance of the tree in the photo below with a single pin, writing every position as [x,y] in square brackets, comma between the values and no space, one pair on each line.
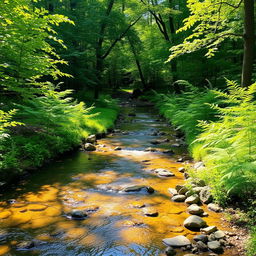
[213,22]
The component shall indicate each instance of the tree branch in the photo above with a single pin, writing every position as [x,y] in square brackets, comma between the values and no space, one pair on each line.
[119,38]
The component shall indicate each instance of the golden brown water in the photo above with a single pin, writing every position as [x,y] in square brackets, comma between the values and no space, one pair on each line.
[116,224]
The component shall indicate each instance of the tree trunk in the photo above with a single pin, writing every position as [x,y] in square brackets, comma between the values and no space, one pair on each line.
[249,42]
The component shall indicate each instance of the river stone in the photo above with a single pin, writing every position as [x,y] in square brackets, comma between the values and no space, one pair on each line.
[205,195]
[150,212]
[214,207]
[183,191]
[178,187]
[150,149]
[197,190]
[209,230]
[194,222]
[194,199]
[169,251]
[182,169]
[215,246]
[201,246]
[178,198]
[172,191]
[155,142]
[139,188]
[202,238]
[219,235]
[163,172]
[169,151]
[189,193]
[25,245]
[194,209]
[89,147]
[91,139]
[117,148]
[177,241]
[78,215]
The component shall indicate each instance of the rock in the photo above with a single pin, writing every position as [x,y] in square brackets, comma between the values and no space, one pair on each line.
[155,142]
[197,190]
[214,207]
[180,160]
[25,245]
[194,209]
[186,175]
[194,222]
[150,149]
[198,165]
[78,215]
[172,191]
[205,214]
[169,151]
[169,251]
[163,173]
[205,195]
[189,193]
[194,199]
[89,147]
[117,148]
[178,198]
[139,188]
[201,246]
[182,169]
[215,246]
[209,230]
[150,212]
[202,238]
[219,235]
[91,139]
[177,241]
[199,183]
[183,190]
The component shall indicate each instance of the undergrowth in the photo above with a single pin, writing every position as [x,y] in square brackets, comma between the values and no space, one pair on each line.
[51,124]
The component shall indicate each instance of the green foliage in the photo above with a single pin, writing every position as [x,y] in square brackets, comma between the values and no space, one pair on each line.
[26,52]
[251,247]
[228,145]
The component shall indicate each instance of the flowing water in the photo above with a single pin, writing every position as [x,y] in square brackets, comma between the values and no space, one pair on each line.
[38,210]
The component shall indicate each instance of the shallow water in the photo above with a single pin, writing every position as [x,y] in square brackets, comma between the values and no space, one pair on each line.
[116,225]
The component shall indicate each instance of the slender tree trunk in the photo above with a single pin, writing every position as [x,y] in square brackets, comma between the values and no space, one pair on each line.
[249,43]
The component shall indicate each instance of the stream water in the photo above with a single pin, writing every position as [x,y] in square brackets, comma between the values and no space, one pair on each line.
[38,210]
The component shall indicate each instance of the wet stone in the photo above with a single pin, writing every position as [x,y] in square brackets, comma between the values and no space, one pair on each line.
[91,139]
[215,246]
[194,222]
[172,191]
[78,215]
[209,230]
[194,199]
[150,212]
[25,245]
[219,235]
[182,169]
[214,207]
[163,172]
[178,198]
[168,151]
[183,190]
[205,195]
[177,241]
[150,149]
[201,246]
[89,147]
[139,188]
[194,209]
[202,238]
[117,148]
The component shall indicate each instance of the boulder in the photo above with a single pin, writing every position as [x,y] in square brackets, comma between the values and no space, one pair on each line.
[214,207]
[219,235]
[177,241]
[215,246]
[163,172]
[194,222]
[150,212]
[194,199]
[78,215]
[209,230]
[194,209]
[89,147]
[205,195]
[91,139]
[139,188]
[202,238]
[178,198]
[172,191]
[183,190]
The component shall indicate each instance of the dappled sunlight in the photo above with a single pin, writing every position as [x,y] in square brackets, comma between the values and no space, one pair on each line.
[95,183]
